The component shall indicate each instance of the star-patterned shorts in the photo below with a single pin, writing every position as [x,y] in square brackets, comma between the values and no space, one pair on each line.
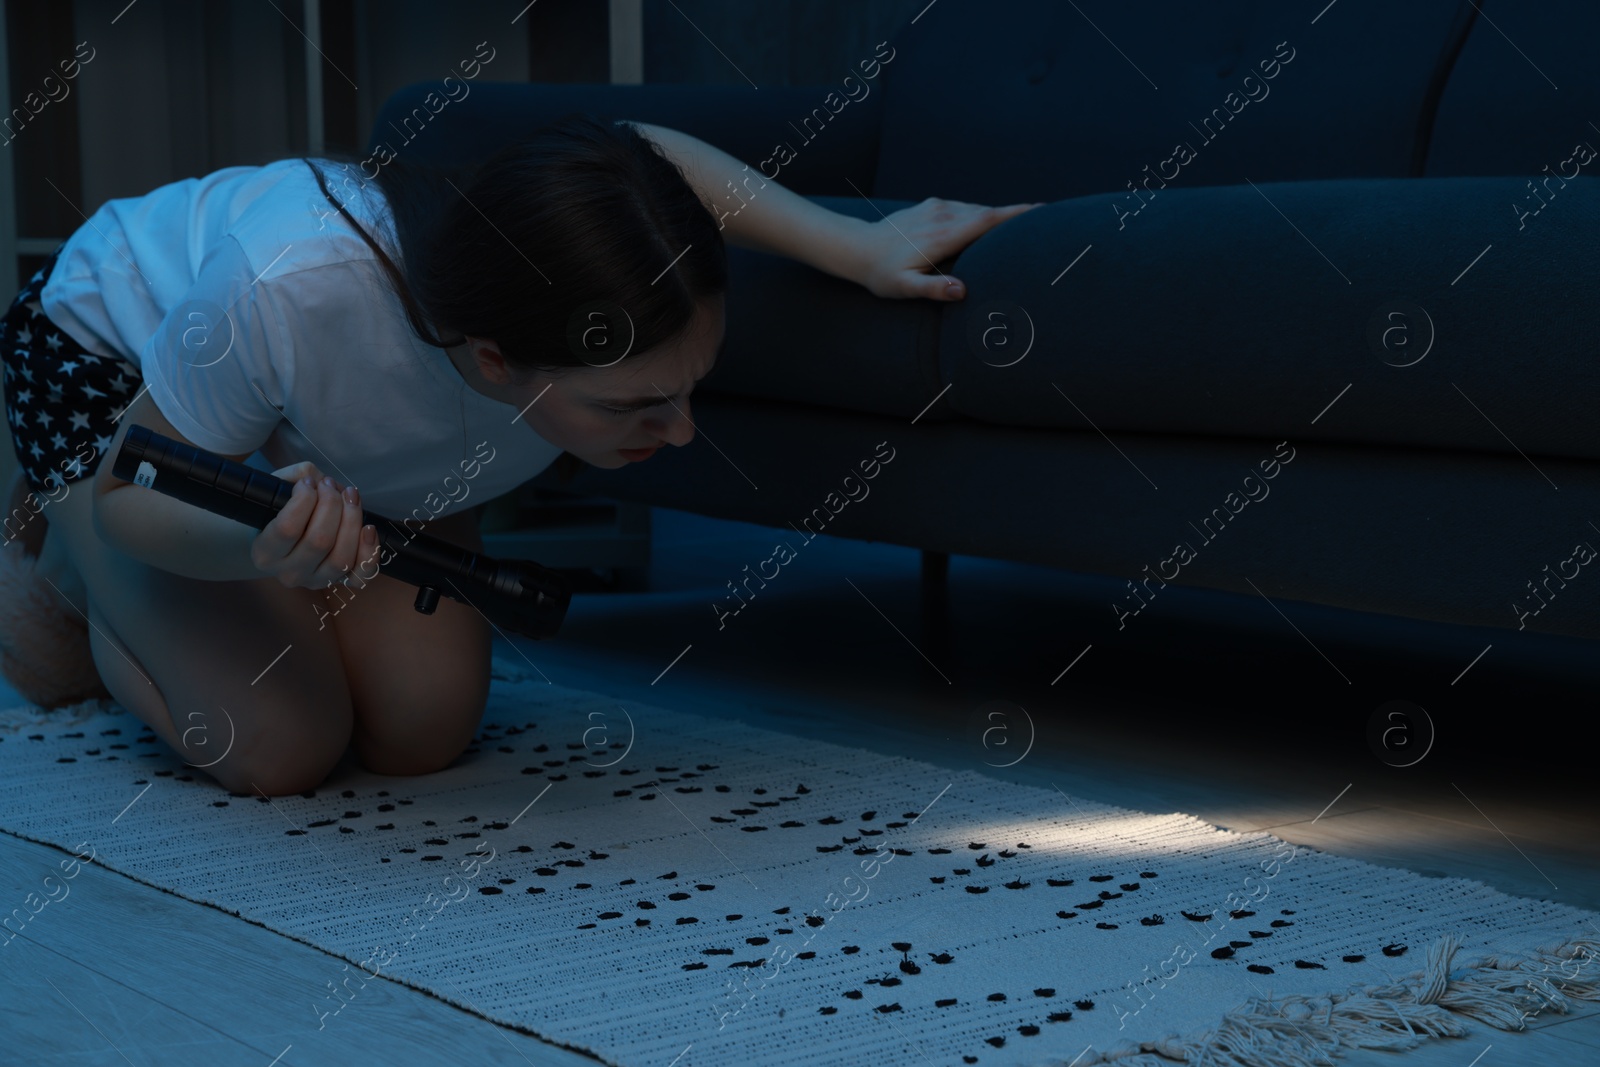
[62,402]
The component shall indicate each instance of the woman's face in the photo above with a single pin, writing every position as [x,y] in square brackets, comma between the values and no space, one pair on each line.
[610,416]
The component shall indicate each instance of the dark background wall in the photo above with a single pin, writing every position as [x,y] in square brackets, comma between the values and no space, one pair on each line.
[177,88]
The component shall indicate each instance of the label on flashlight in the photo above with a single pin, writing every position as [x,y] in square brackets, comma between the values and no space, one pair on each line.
[145,475]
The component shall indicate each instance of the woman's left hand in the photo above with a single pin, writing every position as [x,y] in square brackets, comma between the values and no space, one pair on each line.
[896,254]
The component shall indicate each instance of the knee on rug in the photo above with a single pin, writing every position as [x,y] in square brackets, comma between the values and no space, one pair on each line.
[425,743]
[408,757]
[426,729]
[276,770]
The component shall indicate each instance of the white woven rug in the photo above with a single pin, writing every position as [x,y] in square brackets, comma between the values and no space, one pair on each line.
[717,894]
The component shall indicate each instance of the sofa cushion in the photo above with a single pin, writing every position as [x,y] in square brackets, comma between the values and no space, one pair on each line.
[1028,100]
[1412,310]
[1523,92]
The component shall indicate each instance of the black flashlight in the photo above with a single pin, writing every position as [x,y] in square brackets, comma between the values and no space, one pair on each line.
[519,595]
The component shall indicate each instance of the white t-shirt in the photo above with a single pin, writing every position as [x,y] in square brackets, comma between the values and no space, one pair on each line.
[263,323]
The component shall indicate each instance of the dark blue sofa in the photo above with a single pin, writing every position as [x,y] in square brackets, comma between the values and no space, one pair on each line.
[1352,244]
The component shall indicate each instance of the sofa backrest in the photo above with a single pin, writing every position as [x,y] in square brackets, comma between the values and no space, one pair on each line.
[1000,102]
[1525,90]
[750,126]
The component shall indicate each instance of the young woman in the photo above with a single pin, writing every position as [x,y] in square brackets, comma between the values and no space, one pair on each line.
[406,341]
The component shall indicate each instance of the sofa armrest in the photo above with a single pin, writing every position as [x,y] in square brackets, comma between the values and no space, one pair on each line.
[748,125]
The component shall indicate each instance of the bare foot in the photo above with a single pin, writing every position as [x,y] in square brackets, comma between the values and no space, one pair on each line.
[56,564]
[24,523]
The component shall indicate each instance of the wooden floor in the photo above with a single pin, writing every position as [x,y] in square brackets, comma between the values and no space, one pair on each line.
[119,973]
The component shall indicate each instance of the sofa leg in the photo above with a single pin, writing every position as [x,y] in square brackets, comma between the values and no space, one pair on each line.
[936,607]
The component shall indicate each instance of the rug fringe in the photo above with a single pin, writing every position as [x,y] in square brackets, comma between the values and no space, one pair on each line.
[1300,1031]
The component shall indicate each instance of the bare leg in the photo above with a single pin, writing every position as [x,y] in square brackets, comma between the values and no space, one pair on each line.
[419,682]
[22,522]
[234,676]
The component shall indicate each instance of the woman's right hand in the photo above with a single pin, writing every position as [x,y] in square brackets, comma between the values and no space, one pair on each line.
[317,538]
